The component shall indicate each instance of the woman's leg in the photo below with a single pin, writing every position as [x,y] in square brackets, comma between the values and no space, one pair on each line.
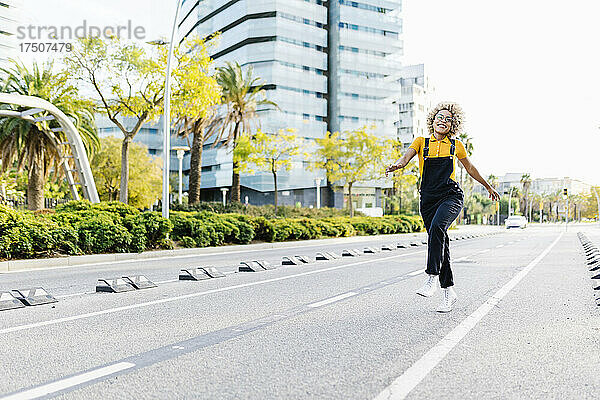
[438,249]
[445,271]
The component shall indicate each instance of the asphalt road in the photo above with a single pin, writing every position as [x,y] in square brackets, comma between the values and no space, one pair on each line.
[526,325]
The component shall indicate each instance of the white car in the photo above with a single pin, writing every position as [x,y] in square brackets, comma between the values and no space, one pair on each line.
[516,221]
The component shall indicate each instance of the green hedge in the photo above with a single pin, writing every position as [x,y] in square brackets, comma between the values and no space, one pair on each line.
[80,227]
[211,229]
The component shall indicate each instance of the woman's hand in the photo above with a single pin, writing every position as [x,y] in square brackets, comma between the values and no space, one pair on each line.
[493,194]
[391,168]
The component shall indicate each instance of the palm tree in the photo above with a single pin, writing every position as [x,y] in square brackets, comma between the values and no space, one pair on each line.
[33,144]
[526,183]
[201,129]
[467,142]
[242,95]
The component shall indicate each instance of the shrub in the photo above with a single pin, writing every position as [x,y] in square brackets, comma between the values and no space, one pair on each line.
[187,241]
[99,234]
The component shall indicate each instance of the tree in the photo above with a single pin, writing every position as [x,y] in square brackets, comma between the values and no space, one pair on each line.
[34,144]
[403,178]
[526,184]
[351,157]
[272,153]
[145,174]
[129,84]
[195,95]
[242,95]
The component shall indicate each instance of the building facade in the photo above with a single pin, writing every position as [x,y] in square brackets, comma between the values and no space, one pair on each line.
[329,66]
[413,104]
[8,29]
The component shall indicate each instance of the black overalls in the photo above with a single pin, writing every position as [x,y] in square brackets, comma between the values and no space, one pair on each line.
[441,202]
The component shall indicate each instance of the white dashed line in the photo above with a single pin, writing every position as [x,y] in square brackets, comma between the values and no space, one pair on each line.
[332,300]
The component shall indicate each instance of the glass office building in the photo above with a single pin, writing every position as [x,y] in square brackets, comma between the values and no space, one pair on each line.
[329,66]
[8,30]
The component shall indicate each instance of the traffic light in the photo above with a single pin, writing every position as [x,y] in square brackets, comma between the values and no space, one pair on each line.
[565,192]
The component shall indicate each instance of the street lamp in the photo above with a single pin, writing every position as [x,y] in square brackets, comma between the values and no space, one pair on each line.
[224,191]
[167,119]
[318,183]
[180,153]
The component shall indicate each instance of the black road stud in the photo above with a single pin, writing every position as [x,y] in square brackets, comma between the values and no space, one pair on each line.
[213,272]
[350,253]
[139,282]
[34,297]
[295,260]
[114,285]
[8,301]
[596,276]
[415,244]
[594,268]
[423,241]
[324,256]
[401,246]
[265,264]
[291,260]
[386,247]
[370,250]
[303,259]
[251,266]
[193,274]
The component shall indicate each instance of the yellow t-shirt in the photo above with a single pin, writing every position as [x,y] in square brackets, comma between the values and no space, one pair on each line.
[439,148]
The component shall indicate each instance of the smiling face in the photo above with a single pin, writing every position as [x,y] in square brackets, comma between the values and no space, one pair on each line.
[442,122]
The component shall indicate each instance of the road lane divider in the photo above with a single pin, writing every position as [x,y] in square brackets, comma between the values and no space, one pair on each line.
[405,383]
[295,260]
[34,297]
[8,301]
[139,282]
[200,273]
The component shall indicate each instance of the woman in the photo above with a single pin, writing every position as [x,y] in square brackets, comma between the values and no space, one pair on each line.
[441,196]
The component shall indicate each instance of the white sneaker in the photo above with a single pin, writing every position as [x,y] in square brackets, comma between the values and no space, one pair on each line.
[448,299]
[430,287]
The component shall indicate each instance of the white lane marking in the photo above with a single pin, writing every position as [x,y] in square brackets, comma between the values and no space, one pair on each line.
[63,384]
[500,245]
[332,299]
[188,296]
[415,273]
[406,382]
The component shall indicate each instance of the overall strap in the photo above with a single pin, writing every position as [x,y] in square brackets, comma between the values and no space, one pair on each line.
[452,146]
[426,148]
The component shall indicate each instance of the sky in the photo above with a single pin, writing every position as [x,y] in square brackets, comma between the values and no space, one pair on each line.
[527,73]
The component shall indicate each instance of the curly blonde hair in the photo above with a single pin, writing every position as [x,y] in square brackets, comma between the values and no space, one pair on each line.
[458,117]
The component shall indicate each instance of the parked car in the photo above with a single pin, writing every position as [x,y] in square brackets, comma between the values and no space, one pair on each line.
[516,221]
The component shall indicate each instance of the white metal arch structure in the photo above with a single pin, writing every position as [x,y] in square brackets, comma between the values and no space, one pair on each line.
[82,164]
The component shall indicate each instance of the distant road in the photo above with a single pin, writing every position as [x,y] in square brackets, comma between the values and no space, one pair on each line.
[526,326]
